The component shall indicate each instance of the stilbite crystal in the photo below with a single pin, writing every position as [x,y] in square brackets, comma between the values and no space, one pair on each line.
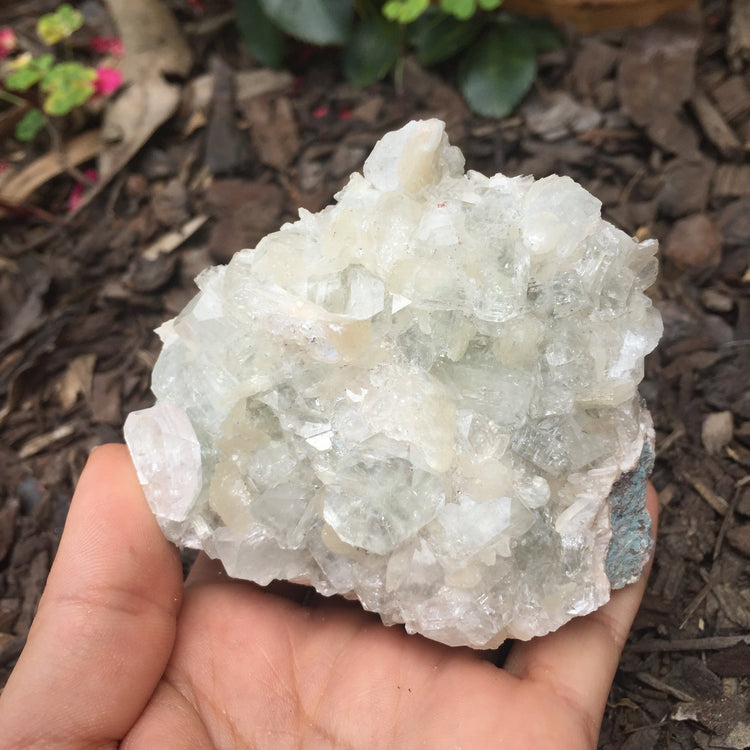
[421,397]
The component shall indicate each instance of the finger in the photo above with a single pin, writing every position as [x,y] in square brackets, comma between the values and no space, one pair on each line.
[578,661]
[106,621]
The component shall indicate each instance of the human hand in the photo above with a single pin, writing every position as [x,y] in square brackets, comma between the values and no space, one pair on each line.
[121,655]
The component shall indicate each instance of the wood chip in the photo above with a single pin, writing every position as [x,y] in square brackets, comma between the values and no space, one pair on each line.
[732,98]
[252,83]
[686,185]
[226,150]
[731,662]
[106,398]
[731,181]
[715,127]
[694,241]
[40,442]
[274,131]
[717,431]
[667,495]
[739,454]
[172,240]
[700,360]
[8,517]
[739,32]
[716,301]
[718,503]
[739,538]
[733,604]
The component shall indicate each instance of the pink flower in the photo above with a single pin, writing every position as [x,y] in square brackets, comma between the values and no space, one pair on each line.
[107,80]
[75,199]
[7,42]
[107,45]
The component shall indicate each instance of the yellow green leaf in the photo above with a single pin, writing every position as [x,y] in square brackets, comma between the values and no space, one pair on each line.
[60,24]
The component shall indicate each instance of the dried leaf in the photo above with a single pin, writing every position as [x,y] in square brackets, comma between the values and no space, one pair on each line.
[77,380]
[152,39]
[131,120]
[22,184]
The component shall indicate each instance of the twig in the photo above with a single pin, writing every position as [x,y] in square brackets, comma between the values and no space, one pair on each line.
[628,189]
[726,523]
[712,643]
[668,441]
[657,684]
[28,209]
[718,503]
[698,599]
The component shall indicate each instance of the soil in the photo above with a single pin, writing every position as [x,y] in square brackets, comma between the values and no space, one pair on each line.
[654,121]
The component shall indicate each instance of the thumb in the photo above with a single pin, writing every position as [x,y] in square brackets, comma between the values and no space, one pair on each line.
[106,621]
[578,661]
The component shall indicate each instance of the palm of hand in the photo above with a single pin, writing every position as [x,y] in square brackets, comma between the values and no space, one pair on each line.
[255,670]
[120,657]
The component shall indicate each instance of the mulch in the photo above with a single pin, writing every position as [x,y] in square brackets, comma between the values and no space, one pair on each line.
[654,121]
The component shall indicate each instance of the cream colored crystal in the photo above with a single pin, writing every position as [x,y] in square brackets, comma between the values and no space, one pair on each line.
[420,397]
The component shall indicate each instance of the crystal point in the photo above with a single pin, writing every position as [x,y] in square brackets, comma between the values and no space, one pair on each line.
[424,397]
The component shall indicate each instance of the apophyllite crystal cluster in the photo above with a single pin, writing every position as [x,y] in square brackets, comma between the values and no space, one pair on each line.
[424,397]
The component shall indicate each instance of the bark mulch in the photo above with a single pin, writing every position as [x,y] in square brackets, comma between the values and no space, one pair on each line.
[654,121]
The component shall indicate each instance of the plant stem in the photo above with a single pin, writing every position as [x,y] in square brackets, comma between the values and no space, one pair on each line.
[398,74]
[12,98]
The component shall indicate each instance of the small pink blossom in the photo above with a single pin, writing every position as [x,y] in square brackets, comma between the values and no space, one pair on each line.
[107,80]
[75,199]
[105,45]
[320,111]
[7,42]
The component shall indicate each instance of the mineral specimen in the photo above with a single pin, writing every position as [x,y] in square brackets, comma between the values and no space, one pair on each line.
[422,397]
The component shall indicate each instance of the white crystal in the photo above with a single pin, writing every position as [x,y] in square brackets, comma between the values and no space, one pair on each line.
[420,397]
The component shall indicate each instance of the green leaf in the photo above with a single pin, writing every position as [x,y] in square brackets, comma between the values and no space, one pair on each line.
[264,40]
[497,72]
[315,21]
[54,27]
[461,9]
[372,51]
[67,85]
[490,4]
[33,70]
[404,11]
[437,36]
[29,125]
[540,32]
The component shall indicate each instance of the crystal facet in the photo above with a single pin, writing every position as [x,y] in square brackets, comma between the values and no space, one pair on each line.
[422,397]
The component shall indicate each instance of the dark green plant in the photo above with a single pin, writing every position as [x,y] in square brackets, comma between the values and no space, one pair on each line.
[495,52]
